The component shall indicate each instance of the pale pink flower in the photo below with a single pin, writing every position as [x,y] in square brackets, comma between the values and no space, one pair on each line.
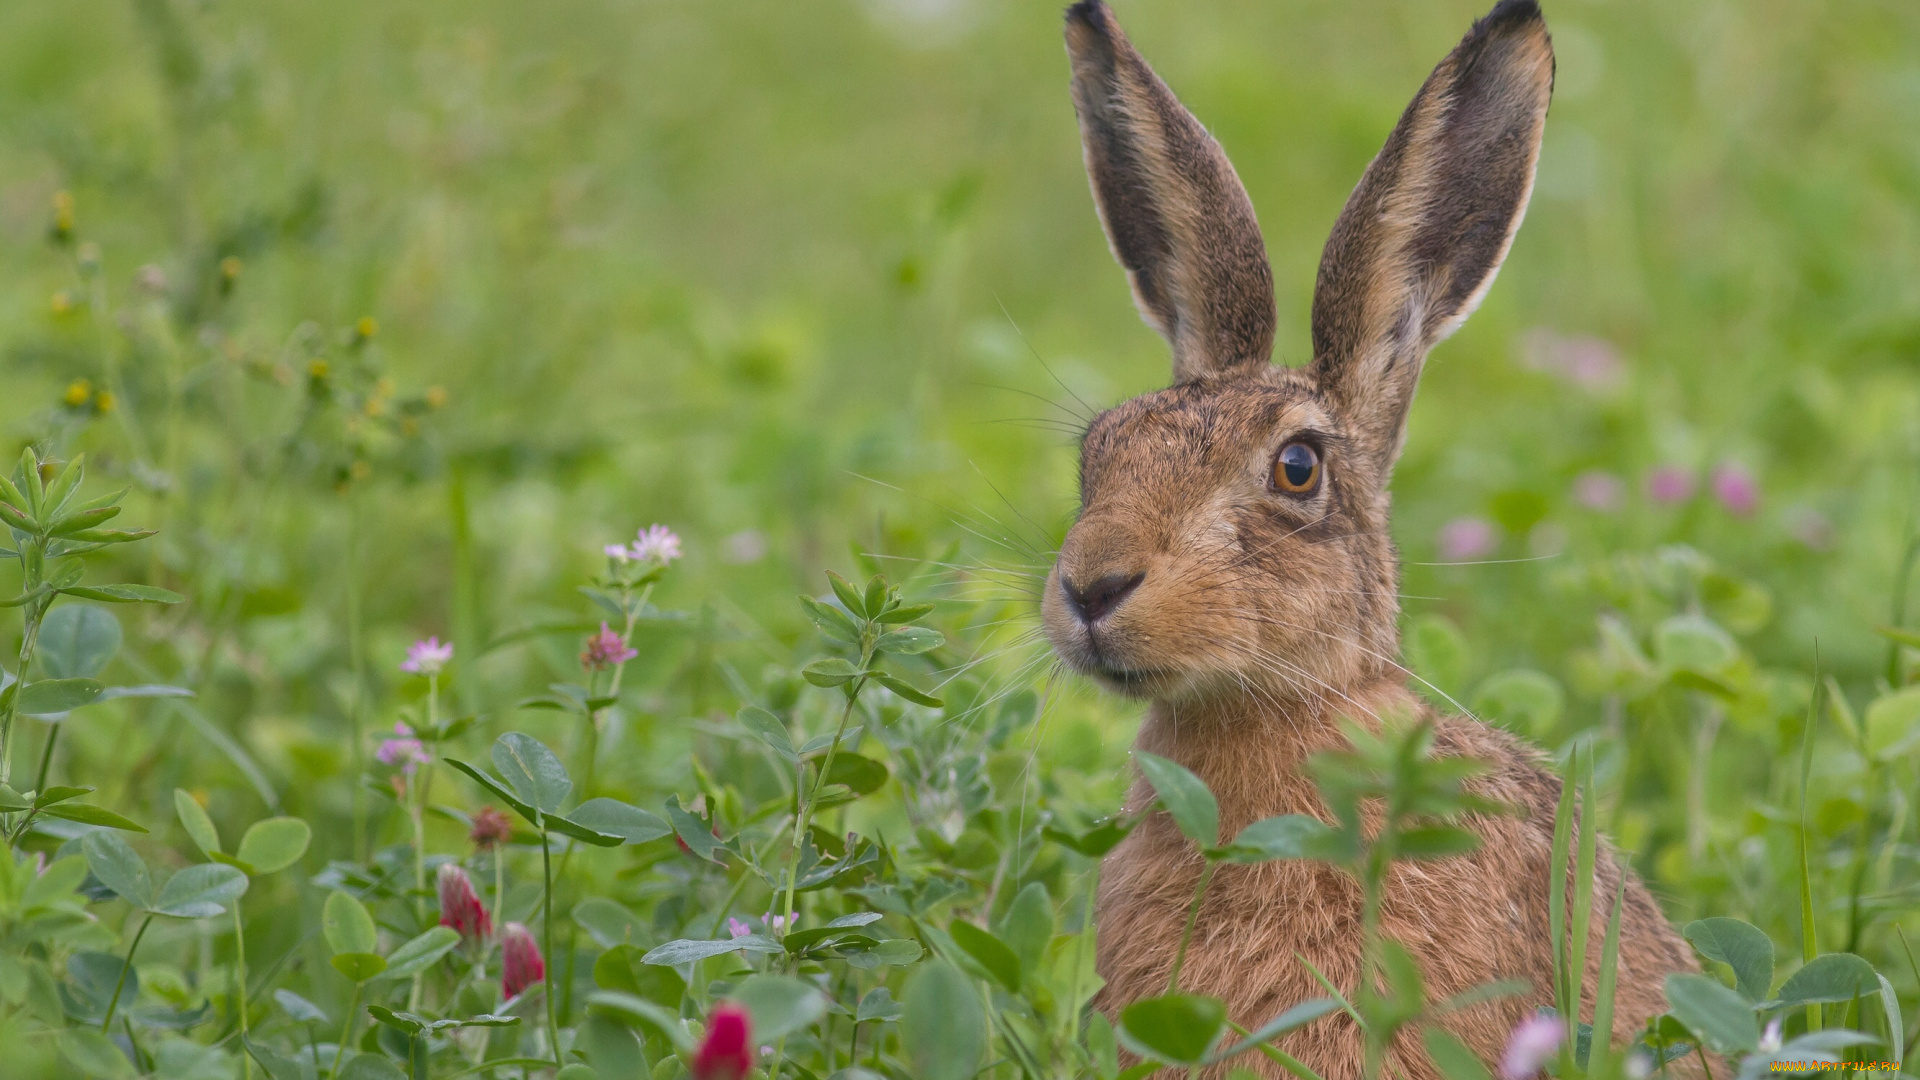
[405,751]
[605,649]
[618,552]
[736,928]
[1599,490]
[1736,488]
[1811,528]
[1590,363]
[1467,538]
[1534,1040]
[520,963]
[656,543]
[1670,484]
[460,905]
[427,657]
[1770,1040]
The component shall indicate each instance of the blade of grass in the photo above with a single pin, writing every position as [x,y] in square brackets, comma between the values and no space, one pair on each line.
[1809,944]
[1582,894]
[1600,1047]
[1557,868]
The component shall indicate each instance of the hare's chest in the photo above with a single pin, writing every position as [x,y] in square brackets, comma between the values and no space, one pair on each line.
[1254,924]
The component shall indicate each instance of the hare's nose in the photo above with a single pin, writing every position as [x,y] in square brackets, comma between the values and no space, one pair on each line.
[1100,596]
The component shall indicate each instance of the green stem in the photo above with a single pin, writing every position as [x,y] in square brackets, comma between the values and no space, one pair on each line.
[240,976]
[546,934]
[1193,916]
[114,1002]
[805,815]
[346,1029]
[29,638]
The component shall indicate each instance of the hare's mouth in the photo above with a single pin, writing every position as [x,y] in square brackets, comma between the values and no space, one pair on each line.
[1137,681]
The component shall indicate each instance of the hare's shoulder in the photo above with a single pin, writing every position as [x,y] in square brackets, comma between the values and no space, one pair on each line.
[1519,773]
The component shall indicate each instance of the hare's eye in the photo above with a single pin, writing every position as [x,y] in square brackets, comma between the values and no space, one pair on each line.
[1297,470]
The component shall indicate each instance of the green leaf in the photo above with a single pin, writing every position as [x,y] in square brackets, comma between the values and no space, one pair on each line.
[1436,842]
[124,594]
[370,1067]
[274,844]
[1896,1027]
[1177,1029]
[779,1004]
[905,614]
[1717,1015]
[299,1009]
[1096,841]
[498,791]
[831,620]
[907,690]
[421,953]
[346,924]
[1185,796]
[895,952]
[800,940]
[1521,700]
[87,814]
[1297,1017]
[200,827]
[59,794]
[768,729]
[861,775]
[636,1010]
[695,833]
[94,1054]
[1437,651]
[688,950]
[1830,978]
[989,952]
[1694,643]
[878,1005]
[832,671]
[77,640]
[359,966]
[113,861]
[1456,1062]
[1284,836]
[943,1033]
[848,595]
[615,818]
[1740,946]
[609,924]
[200,891]
[1893,724]
[909,641]
[532,771]
[1028,925]
[50,696]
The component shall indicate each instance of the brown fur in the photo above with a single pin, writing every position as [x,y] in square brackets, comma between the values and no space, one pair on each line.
[1254,619]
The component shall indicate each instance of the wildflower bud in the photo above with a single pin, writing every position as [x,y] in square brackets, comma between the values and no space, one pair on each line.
[491,828]
[606,649]
[427,657]
[656,543]
[436,397]
[62,216]
[727,1051]
[151,278]
[103,401]
[230,267]
[364,329]
[460,905]
[1534,1040]
[61,303]
[520,962]
[1736,488]
[78,391]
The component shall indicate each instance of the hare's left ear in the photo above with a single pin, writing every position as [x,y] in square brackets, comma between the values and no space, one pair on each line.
[1423,235]
[1175,213]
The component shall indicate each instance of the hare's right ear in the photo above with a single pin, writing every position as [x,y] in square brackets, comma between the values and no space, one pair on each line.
[1175,213]
[1423,235]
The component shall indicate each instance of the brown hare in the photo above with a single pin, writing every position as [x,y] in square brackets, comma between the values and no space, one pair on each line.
[1232,565]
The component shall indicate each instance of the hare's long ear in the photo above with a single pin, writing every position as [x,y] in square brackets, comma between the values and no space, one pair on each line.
[1174,211]
[1424,233]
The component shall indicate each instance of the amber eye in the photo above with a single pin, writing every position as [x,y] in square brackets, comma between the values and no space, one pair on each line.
[1297,470]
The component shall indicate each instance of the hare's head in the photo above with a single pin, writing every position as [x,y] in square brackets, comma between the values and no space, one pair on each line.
[1233,528]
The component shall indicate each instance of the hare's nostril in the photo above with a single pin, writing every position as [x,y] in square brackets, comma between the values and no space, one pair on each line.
[1100,596]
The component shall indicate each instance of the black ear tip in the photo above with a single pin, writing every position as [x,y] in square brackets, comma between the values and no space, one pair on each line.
[1088,12]
[1511,13]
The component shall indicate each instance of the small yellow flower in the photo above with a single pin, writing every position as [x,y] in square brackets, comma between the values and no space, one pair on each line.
[361,470]
[375,407]
[62,302]
[318,369]
[436,397]
[409,426]
[78,391]
[230,267]
[104,402]
[366,327]
[383,388]
[62,213]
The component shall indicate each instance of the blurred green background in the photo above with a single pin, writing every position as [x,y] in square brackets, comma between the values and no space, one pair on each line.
[802,279]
